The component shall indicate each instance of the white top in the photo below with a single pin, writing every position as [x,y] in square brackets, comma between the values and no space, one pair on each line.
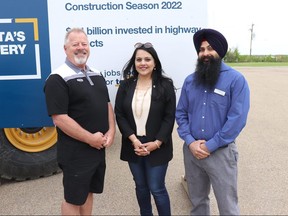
[141,105]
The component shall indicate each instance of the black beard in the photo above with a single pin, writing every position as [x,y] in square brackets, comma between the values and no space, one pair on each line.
[207,72]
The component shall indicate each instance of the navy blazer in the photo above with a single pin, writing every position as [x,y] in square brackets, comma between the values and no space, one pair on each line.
[159,125]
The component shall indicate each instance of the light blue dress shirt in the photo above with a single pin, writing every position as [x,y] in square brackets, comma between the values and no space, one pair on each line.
[216,115]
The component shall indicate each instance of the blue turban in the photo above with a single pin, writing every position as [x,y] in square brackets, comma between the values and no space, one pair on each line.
[217,41]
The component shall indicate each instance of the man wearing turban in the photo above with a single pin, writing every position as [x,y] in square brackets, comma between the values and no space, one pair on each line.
[211,112]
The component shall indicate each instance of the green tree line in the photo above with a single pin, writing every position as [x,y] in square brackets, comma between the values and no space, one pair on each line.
[233,56]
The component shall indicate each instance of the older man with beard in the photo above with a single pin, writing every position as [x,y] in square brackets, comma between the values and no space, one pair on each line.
[77,100]
[211,112]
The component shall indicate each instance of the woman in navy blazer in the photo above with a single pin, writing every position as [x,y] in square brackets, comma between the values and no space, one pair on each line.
[145,113]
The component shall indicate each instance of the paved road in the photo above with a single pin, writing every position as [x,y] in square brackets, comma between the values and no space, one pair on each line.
[263,165]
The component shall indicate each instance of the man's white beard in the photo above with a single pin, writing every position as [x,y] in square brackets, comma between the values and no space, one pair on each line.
[80,60]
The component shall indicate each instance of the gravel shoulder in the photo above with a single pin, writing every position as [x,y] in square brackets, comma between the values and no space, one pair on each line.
[263,164]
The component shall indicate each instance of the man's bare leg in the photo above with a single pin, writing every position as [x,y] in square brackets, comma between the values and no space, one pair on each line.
[86,209]
[70,209]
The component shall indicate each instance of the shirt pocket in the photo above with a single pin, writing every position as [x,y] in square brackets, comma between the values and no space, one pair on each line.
[218,100]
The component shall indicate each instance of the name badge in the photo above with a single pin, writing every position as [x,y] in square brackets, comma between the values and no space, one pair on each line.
[220,92]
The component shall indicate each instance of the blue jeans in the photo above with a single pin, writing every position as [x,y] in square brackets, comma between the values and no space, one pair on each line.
[150,179]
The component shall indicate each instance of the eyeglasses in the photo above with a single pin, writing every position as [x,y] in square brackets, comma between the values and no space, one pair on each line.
[145,45]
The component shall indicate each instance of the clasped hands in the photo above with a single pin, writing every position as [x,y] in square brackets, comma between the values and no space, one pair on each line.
[199,149]
[143,149]
[99,140]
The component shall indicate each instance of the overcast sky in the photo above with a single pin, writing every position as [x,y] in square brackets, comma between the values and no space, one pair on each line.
[234,18]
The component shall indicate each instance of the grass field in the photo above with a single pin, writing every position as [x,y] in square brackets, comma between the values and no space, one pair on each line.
[258,64]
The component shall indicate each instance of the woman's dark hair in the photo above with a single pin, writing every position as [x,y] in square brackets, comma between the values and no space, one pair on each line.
[158,76]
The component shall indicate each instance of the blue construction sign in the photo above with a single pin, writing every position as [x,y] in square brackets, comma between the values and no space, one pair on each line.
[24,63]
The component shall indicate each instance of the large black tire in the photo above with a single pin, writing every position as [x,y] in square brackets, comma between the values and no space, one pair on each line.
[19,165]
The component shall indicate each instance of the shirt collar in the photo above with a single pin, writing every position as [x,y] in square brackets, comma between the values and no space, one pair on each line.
[77,69]
[224,67]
